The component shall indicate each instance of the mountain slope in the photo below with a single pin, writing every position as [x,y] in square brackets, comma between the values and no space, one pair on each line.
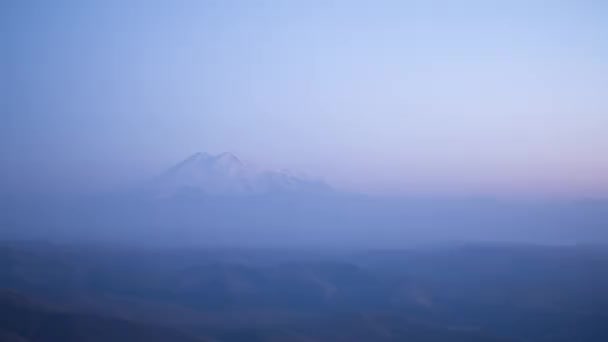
[23,320]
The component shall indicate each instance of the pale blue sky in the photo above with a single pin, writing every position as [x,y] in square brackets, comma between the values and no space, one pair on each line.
[467,97]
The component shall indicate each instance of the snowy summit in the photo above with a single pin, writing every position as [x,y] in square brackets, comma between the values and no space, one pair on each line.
[226,174]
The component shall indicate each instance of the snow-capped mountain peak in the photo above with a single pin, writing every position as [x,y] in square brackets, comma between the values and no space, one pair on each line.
[226,174]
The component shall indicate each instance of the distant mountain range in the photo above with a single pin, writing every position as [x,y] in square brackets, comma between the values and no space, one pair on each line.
[222,200]
[226,174]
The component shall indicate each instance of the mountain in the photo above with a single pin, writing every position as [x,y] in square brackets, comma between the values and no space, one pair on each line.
[226,174]
[24,320]
[456,292]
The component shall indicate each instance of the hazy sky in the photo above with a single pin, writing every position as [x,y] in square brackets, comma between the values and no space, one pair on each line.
[495,97]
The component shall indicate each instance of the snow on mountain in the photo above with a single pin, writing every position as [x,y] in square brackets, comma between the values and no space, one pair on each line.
[226,174]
